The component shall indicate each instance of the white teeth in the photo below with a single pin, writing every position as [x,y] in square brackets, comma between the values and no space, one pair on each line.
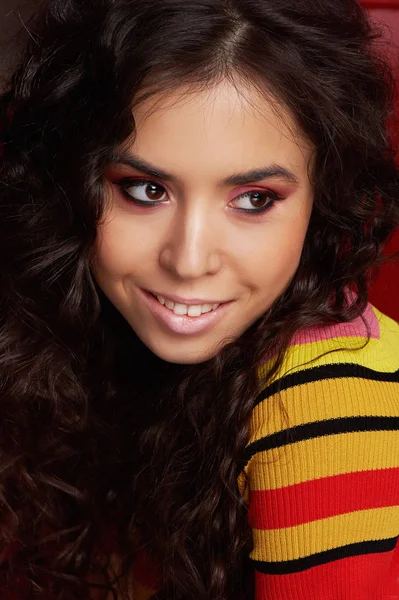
[194,311]
[183,309]
[180,309]
[206,308]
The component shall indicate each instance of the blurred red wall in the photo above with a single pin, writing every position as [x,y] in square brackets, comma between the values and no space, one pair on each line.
[385,288]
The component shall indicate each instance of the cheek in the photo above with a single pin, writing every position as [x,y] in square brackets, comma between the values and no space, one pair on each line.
[113,250]
[108,252]
[126,240]
[273,259]
[121,245]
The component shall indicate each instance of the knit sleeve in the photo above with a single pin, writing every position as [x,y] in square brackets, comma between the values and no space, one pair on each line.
[324,487]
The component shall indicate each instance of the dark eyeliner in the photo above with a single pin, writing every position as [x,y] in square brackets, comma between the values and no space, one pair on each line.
[125,183]
[273,197]
[256,211]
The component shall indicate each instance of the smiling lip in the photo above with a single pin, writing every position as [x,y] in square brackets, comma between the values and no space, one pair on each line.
[183,324]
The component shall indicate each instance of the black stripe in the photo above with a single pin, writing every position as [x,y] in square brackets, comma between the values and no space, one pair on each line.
[321,558]
[335,371]
[319,429]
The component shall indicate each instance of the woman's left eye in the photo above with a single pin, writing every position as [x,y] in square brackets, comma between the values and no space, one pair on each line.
[148,193]
[255,202]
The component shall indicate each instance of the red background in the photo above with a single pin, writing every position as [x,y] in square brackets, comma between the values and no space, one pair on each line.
[385,289]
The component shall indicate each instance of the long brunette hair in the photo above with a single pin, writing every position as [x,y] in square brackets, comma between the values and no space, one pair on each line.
[94,429]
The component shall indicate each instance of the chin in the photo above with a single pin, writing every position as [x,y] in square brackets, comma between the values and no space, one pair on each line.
[181,356]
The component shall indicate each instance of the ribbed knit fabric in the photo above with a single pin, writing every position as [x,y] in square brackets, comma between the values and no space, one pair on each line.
[323,474]
[323,469]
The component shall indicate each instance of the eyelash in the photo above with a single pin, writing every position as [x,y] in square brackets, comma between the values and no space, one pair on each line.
[125,184]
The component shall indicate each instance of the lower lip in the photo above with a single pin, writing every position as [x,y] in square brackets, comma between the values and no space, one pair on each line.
[184,324]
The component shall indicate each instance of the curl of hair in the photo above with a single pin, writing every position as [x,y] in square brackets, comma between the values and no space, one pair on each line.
[84,428]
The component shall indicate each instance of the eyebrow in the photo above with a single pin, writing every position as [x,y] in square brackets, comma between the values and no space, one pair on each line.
[253,176]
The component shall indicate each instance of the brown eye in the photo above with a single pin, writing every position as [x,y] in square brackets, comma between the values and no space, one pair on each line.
[154,191]
[258,200]
[147,193]
[255,202]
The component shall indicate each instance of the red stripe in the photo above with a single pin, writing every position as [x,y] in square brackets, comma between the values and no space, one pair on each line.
[322,498]
[358,578]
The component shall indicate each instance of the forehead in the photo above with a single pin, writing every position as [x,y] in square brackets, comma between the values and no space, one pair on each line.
[218,130]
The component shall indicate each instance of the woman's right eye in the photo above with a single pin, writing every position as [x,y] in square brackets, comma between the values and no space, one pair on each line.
[147,193]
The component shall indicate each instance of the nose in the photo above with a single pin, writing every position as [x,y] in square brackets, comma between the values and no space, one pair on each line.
[192,246]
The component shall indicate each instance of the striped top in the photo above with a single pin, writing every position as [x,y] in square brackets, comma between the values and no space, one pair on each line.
[323,474]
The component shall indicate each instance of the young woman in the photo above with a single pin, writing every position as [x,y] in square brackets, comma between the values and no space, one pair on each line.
[198,400]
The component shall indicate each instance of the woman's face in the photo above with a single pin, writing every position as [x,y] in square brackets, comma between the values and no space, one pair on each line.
[206,218]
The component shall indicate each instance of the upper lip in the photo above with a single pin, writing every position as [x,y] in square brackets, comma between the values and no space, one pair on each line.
[181,300]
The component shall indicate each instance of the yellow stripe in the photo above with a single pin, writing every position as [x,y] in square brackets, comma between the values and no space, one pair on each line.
[326,399]
[309,538]
[321,457]
[380,354]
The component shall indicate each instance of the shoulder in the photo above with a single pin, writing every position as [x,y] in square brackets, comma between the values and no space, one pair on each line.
[331,383]
[333,372]
[343,343]
[321,474]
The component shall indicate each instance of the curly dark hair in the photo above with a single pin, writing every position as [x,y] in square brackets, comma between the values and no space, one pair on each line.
[85,426]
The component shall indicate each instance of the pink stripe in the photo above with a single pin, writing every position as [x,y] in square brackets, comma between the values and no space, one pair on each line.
[355,328]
